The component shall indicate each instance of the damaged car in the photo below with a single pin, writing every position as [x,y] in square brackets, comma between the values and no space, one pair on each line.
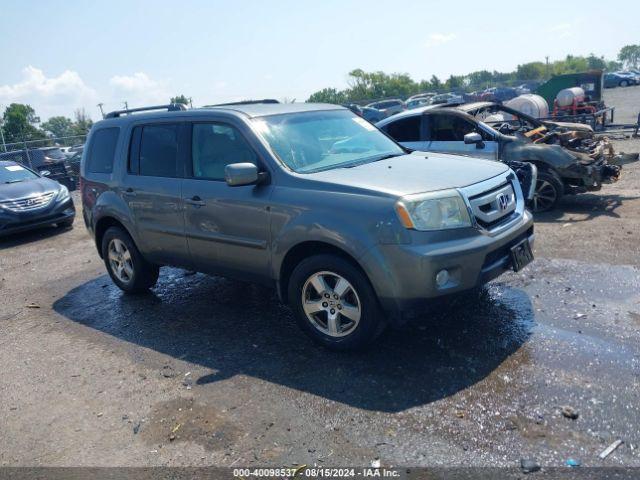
[569,158]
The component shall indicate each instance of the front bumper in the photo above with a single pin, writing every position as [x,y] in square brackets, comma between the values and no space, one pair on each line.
[11,222]
[404,275]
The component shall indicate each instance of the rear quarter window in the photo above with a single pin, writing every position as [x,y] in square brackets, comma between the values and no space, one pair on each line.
[102,150]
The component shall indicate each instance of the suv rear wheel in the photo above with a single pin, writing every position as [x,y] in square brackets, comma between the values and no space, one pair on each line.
[334,303]
[126,266]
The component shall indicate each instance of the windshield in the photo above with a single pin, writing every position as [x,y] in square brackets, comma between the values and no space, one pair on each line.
[15,173]
[54,153]
[313,141]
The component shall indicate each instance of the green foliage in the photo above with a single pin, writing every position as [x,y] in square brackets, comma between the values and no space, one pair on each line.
[18,124]
[58,126]
[180,99]
[376,85]
[630,55]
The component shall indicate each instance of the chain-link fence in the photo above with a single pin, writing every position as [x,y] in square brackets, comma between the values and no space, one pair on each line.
[58,157]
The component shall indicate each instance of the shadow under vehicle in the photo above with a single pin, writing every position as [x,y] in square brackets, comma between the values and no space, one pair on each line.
[244,330]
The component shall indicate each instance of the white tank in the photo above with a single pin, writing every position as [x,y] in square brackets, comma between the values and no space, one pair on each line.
[530,104]
[566,97]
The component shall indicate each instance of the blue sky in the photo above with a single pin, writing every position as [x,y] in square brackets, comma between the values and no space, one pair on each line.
[62,55]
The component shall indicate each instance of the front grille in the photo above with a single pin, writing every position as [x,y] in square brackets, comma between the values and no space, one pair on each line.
[495,206]
[28,204]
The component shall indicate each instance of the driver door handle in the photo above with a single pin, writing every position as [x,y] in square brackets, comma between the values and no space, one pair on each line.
[196,201]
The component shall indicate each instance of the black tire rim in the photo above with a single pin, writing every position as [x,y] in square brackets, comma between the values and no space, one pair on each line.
[545,195]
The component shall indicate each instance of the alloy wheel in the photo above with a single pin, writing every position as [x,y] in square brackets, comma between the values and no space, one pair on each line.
[331,304]
[120,260]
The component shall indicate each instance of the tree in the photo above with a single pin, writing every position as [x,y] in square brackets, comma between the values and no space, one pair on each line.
[83,122]
[436,84]
[180,99]
[630,55]
[19,125]
[531,71]
[596,63]
[58,126]
[328,95]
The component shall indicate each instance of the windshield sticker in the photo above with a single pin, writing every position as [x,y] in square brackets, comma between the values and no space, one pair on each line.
[363,123]
[14,168]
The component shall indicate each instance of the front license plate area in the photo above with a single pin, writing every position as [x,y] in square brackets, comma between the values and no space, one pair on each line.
[521,255]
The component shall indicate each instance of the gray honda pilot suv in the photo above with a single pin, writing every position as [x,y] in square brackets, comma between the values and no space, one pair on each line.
[351,229]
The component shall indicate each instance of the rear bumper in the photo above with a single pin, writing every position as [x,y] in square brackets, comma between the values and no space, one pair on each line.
[404,275]
[14,223]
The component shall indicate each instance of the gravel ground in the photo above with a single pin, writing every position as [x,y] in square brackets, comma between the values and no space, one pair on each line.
[207,371]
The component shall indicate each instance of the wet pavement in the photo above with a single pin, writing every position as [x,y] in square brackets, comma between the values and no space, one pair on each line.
[208,371]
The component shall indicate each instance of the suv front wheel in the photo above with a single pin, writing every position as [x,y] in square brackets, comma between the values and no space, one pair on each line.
[126,266]
[334,303]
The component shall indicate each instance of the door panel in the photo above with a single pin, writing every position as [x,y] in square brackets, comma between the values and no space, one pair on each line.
[227,228]
[153,190]
[489,151]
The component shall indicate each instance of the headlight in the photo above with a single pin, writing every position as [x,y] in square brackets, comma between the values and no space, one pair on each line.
[63,194]
[433,211]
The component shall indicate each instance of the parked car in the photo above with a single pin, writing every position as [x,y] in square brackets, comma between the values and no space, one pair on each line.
[349,228]
[498,94]
[446,98]
[417,102]
[49,159]
[388,107]
[371,114]
[567,158]
[29,200]
[617,79]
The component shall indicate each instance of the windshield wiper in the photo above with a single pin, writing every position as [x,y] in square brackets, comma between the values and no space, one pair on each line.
[372,159]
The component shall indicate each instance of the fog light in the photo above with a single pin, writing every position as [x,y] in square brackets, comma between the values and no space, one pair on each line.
[442,278]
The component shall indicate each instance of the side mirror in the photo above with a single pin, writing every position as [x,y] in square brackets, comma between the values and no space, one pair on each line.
[471,138]
[45,173]
[239,174]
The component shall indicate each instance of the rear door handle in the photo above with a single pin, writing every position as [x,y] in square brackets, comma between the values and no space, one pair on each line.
[130,192]
[196,201]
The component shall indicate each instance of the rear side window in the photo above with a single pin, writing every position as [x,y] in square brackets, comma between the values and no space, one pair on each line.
[405,130]
[159,150]
[102,150]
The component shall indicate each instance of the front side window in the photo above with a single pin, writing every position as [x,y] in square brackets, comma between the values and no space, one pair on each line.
[312,141]
[159,150]
[405,129]
[451,128]
[14,173]
[214,146]
[102,150]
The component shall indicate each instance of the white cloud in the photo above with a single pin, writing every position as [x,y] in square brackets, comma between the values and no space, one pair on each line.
[139,89]
[562,30]
[49,96]
[436,39]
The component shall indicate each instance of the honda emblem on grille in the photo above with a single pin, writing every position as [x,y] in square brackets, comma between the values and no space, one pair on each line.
[503,201]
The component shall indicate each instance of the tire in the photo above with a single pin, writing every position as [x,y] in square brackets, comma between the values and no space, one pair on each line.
[549,191]
[352,331]
[135,274]
[624,83]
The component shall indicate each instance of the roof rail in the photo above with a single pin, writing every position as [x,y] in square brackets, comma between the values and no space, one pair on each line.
[245,102]
[170,107]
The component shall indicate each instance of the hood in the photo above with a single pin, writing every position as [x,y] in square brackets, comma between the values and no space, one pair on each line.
[27,188]
[414,173]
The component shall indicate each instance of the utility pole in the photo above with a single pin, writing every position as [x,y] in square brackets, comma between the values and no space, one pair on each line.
[547,59]
[126,105]
[4,145]
[101,110]
[191,102]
